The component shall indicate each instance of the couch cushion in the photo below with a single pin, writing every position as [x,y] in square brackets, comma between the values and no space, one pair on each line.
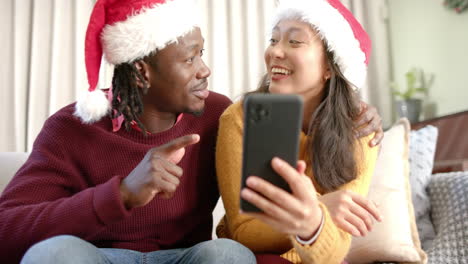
[421,160]
[395,239]
[449,204]
[10,162]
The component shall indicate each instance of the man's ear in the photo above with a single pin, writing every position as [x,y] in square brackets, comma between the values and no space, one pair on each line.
[143,68]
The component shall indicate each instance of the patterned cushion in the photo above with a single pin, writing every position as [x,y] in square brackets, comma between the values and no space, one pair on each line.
[421,158]
[449,200]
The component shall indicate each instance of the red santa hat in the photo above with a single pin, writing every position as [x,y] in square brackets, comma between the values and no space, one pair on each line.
[125,31]
[336,24]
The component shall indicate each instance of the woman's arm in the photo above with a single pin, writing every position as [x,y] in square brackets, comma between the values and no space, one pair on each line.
[249,231]
[334,242]
[351,212]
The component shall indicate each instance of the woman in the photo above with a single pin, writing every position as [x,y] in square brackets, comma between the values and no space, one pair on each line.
[319,51]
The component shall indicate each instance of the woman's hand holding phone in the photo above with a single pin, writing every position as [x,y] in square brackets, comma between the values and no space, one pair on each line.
[297,213]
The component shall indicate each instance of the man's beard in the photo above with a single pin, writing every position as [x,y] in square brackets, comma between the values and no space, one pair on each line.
[197,113]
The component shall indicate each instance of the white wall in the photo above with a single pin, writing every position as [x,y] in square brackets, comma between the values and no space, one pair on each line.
[428,35]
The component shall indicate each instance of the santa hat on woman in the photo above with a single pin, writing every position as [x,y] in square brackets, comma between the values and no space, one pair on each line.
[125,31]
[337,25]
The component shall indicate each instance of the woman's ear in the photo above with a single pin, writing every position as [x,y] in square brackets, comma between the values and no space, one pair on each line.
[327,74]
[143,68]
[328,60]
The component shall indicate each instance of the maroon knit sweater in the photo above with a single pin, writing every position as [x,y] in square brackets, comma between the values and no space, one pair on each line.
[70,185]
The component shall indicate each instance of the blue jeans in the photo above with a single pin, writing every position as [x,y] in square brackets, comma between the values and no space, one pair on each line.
[69,249]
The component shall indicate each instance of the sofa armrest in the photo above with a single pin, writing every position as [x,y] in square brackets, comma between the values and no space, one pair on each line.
[450,165]
[10,162]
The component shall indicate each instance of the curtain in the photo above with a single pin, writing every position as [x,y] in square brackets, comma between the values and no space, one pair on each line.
[43,50]
[373,15]
[237,34]
[43,67]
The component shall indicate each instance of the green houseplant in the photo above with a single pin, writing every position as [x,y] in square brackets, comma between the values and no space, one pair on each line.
[458,5]
[408,105]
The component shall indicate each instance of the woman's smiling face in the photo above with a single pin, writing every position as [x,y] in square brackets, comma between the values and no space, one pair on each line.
[296,60]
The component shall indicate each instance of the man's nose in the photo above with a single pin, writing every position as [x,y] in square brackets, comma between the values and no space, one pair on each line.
[204,71]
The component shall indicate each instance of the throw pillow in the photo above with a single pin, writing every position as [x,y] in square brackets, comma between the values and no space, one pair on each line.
[421,159]
[395,239]
[449,205]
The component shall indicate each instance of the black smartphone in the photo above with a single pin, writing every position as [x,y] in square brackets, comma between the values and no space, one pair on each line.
[272,124]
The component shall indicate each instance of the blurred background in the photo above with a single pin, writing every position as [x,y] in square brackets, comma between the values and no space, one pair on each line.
[420,53]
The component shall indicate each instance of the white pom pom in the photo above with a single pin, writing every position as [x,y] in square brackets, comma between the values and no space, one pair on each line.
[92,106]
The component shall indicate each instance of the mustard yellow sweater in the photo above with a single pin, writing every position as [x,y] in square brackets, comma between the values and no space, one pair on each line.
[332,244]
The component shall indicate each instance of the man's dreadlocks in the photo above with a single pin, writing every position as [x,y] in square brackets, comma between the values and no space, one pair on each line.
[126,99]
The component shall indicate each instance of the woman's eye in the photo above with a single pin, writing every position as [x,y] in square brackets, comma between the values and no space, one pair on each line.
[202,51]
[191,59]
[273,41]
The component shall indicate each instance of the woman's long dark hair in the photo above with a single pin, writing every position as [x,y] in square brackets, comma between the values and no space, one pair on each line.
[332,144]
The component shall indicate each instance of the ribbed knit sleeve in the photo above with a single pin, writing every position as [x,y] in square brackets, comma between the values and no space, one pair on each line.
[39,202]
[331,245]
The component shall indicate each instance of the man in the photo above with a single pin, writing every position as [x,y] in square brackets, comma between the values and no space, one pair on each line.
[95,192]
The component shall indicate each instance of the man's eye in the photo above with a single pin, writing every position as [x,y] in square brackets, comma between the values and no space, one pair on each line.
[202,51]
[273,41]
[292,41]
[191,59]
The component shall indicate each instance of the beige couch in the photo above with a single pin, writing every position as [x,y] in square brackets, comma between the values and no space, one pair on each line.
[10,162]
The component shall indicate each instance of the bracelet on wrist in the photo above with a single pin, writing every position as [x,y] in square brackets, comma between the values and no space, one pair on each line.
[315,236]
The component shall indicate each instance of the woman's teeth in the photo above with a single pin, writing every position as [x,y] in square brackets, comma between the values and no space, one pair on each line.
[280,71]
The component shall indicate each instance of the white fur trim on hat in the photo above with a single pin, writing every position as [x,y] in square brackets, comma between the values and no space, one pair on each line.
[147,30]
[92,106]
[332,27]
